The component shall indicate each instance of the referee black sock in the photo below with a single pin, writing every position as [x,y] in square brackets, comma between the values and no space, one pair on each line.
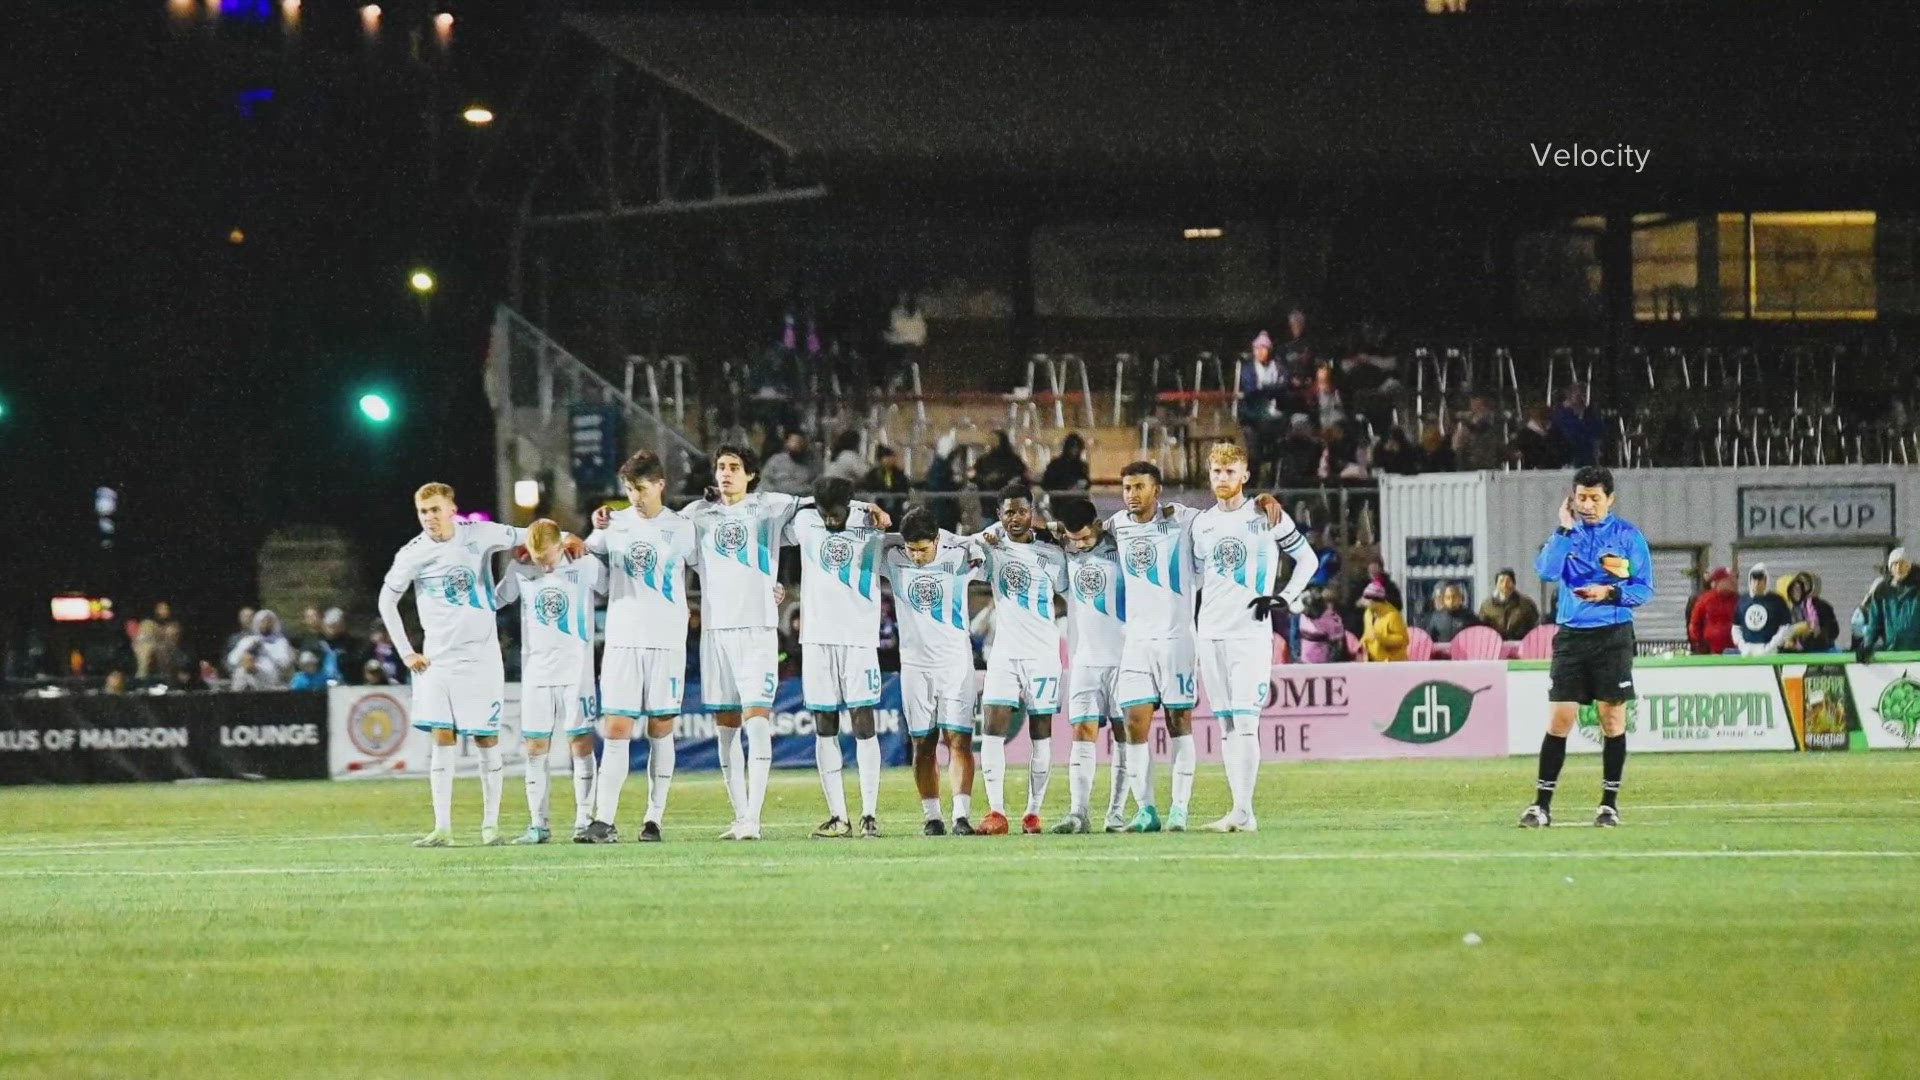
[1613,762]
[1553,754]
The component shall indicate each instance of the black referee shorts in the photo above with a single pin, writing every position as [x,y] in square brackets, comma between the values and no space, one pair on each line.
[1592,664]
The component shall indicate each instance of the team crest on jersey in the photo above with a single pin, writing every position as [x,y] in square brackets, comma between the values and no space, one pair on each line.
[1140,555]
[457,586]
[1016,577]
[550,607]
[1090,581]
[925,594]
[1229,555]
[641,558]
[731,537]
[836,553]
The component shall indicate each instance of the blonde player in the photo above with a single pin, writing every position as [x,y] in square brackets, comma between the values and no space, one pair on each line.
[556,596]
[458,681]
[1096,626]
[929,574]
[1233,546]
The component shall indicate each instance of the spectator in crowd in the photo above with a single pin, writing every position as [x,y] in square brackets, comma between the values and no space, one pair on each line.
[1435,454]
[1579,427]
[1509,610]
[944,476]
[1370,368]
[1815,628]
[1262,410]
[1329,406]
[308,676]
[1384,635]
[1329,553]
[1299,354]
[264,655]
[116,682]
[1352,616]
[1762,621]
[1068,470]
[1395,454]
[1889,618]
[889,650]
[311,632]
[185,679]
[1299,454]
[246,628]
[997,468]
[343,649]
[903,341]
[1537,445]
[1342,459]
[156,646]
[1377,574]
[372,673]
[887,478]
[791,471]
[1323,636]
[1477,444]
[380,650]
[1710,622]
[1450,614]
[845,461]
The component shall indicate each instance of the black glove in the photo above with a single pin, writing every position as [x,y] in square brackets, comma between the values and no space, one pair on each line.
[1262,607]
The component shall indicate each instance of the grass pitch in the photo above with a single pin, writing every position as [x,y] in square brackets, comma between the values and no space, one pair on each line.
[1756,916]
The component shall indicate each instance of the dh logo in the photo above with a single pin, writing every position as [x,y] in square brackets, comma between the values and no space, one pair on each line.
[1431,712]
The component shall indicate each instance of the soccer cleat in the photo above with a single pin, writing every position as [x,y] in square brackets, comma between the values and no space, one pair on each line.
[934,827]
[1030,824]
[599,832]
[869,828]
[1073,823]
[436,838]
[1147,820]
[580,834]
[535,834]
[994,824]
[490,837]
[1116,823]
[833,829]
[1607,818]
[1535,817]
[1233,822]
[733,830]
[1177,819]
[748,830]
[650,832]
[962,827]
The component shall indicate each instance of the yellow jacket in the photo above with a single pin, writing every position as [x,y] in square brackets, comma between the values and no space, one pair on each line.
[1386,632]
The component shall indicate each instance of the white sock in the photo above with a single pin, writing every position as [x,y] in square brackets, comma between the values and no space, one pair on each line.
[661,754]
[1230,757]
[1080,770]
[537,786]
[759,764]
[1249,740]
[1039,771]
[733,774]
[492,780]
[583,772]
[867,753]
[930,809]
[1183,759]
[831,761]
[962,805]
[440,784]
[1117,794]
[1140,773]
[614,764]
[993,771]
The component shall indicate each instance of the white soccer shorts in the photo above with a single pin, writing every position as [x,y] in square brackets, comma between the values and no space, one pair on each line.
[1030,684]
[460,694]
[642,682]
[937,697]
[1092,693]
[547,709]
[739,668]
[1238,674]
[835,677]
[1157,672]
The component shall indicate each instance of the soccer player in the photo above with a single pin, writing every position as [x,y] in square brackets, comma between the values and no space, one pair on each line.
[1233,545]
[839,644]
[1025,571]
[929,574]
[1604,570]
[647,549]
[459,679]
[1096,626]
[556,597]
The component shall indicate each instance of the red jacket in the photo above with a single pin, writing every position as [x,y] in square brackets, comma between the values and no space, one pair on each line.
[1710,630]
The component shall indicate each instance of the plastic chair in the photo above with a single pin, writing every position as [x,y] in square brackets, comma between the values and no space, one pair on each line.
[1419,644]
[1538,644]
[1476,643]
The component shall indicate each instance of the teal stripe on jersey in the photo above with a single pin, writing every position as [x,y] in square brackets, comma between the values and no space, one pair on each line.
[959,590]
[486,579]
[1173,568]
[867,559]
[1266,560]
[666,579]
[1240,573]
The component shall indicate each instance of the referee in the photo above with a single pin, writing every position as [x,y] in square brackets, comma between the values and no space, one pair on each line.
[1604,570]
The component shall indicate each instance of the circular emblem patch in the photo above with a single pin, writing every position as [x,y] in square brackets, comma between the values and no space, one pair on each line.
[1755,618]
[550,607]
[925,594]
[1090,581]
[730,537]
[1140,555]
[836,553]
[377,725]
[1229,555]
[457,586]
[1016,577]
[640,559]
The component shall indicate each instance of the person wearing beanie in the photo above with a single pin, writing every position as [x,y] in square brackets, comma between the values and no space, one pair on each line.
[1261,412]
[1889,618]
[1710,622]
[1385,633]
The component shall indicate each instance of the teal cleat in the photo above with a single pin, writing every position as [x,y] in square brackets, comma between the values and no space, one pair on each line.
[1177,819]
[1147,820]
[535,834]
[436,838]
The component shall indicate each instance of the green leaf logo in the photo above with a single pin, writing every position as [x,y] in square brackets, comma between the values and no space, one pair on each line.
[1900,709]
[1431,712]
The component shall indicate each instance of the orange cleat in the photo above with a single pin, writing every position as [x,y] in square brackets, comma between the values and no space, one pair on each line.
[1030,823]
[994,824]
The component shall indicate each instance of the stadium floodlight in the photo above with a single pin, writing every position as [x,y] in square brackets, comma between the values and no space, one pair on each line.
[526,494]
[376,407]
[421,281]
[478,115]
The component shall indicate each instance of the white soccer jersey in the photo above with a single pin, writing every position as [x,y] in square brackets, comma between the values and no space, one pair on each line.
[839,579]
[452,585]
[930,603]
[646,562]
[1024,579]
[1157,560]
[739,559]
[556,619]
[1096,605]
[1239,558]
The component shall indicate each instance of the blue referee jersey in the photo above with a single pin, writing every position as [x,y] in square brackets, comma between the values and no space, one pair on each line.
[1610,552]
